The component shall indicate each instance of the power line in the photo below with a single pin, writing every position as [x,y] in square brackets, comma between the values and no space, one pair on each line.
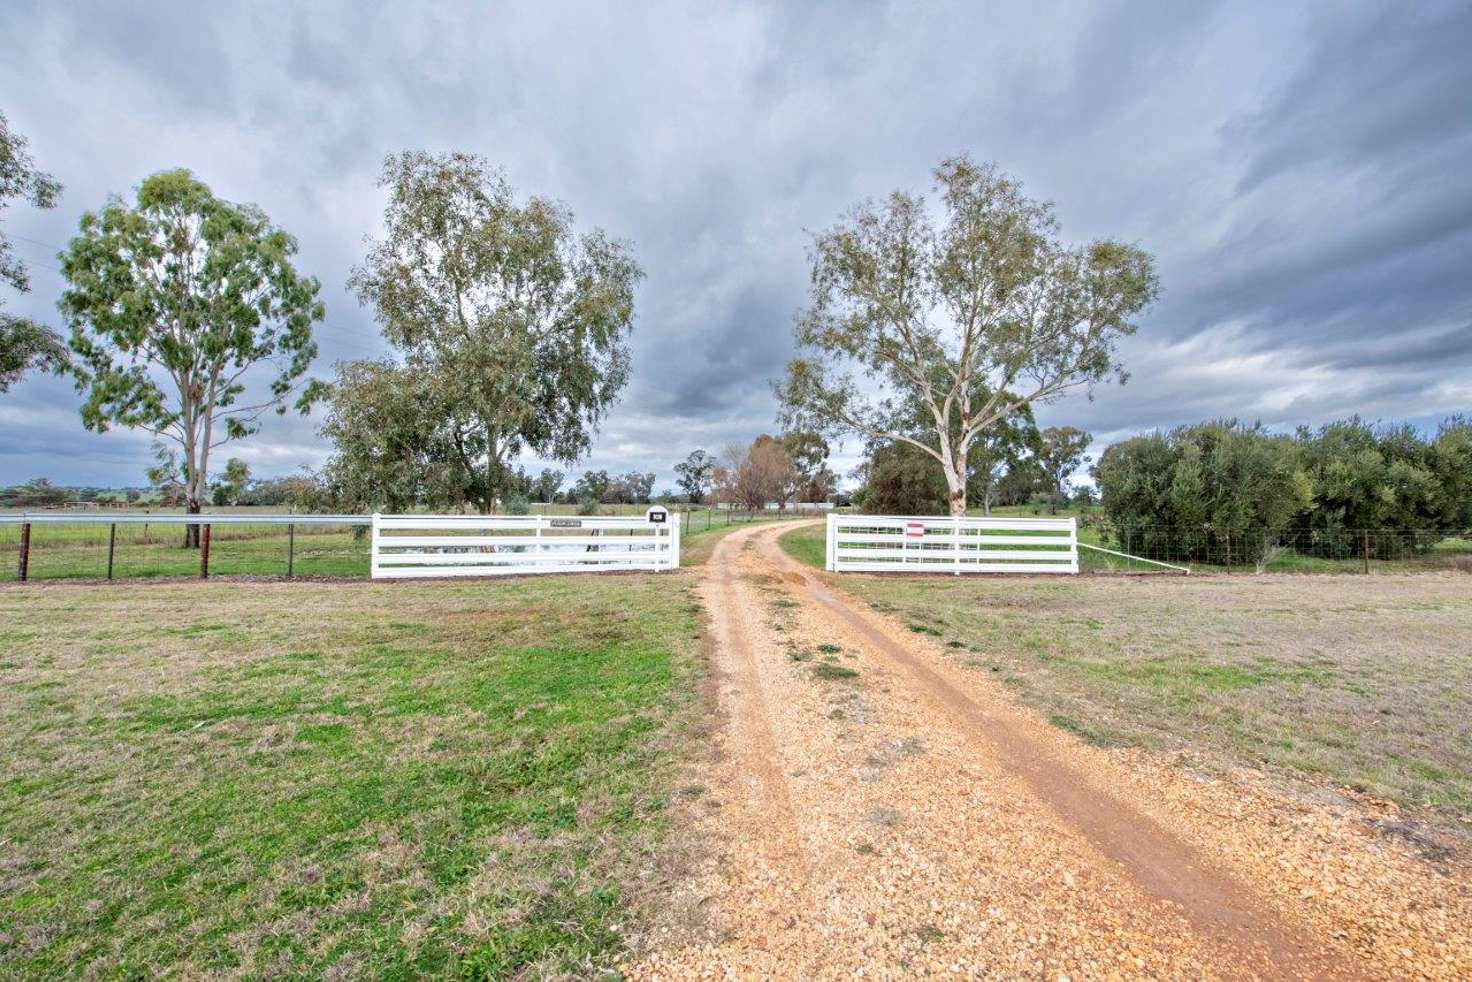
[48,245]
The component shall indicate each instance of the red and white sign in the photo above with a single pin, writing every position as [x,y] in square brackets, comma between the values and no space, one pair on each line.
[914,530]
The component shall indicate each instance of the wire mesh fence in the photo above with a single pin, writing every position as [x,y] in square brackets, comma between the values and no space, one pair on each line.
[110,549]
[1333,550]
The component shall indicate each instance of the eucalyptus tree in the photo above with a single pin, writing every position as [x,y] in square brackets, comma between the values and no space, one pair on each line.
[1061,452]
[188,318]
[972,318]
[24,344]
[512,324]
[695,475]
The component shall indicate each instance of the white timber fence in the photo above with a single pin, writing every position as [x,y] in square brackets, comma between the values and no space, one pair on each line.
[406,546]
[911,544]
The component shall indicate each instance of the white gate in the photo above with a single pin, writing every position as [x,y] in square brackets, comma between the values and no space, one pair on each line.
[905,544]
[480,545]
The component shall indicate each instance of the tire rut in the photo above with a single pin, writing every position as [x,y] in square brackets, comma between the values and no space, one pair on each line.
[1214,903]
[885,818]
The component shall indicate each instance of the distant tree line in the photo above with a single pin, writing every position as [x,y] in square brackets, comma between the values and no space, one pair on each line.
[1196,489]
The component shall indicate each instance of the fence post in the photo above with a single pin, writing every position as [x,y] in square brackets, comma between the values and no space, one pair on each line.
[373,550]
[831,550]
[112,543]
[204,552]
[675,541]
[25,550]
[290,548]
[956,546]
[1073,543]
[1365,547]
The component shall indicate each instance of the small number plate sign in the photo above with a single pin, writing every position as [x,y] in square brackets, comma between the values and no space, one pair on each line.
[914,530]
[567,523]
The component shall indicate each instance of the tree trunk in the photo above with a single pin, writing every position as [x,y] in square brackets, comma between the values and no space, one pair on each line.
[957,484]
[191,532]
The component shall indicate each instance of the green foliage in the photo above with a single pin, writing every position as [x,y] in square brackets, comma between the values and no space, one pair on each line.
[24,344]
[173,302]
[695,475]
[812,479]
[546,484]
[900,479]
[592,485]
[389,426]
[518,505]
[19,178]
[228,490]
[38,492]
[1060,453]
[1193,490]
[512,330]
[970,319]
[1002,466]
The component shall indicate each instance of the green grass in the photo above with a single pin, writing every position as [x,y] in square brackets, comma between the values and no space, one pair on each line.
[808,545]
[297,778]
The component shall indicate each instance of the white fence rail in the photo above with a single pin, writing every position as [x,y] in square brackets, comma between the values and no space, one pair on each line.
[907,544]
[406,546]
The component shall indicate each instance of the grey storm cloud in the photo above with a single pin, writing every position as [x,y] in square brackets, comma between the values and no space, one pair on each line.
[1299,172]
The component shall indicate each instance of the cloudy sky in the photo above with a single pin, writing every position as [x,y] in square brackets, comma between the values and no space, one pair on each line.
[1301,172]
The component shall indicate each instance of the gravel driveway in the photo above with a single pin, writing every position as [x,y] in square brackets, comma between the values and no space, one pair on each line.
[876,809]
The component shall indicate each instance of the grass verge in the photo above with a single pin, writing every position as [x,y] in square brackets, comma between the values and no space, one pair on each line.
[308,779]
[1363,681]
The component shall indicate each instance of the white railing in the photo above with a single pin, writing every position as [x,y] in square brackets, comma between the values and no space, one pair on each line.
[407,546]
[175,518]
[919,544]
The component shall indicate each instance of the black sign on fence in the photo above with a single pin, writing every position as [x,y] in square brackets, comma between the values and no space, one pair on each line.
[567,523]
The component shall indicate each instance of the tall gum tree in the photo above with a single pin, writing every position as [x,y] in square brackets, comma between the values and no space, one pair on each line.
[515,325]
[971,318]
[180,304]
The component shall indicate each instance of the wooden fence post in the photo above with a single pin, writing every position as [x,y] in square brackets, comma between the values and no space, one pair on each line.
[112,544]
[204,553]
[25,550]
[1365,547]
[290,547]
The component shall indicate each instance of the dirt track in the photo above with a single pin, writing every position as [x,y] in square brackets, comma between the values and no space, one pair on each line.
[911,819]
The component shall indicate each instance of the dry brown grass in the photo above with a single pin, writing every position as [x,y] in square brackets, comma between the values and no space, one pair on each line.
[1360,681]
